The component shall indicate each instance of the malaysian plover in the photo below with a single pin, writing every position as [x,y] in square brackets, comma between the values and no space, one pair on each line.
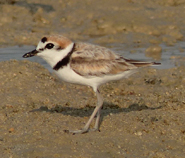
[85,64]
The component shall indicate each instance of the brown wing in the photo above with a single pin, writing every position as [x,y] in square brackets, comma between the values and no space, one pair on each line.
[91,60]
[86,67]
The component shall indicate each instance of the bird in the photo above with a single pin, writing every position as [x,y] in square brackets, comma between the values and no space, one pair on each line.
[85,64]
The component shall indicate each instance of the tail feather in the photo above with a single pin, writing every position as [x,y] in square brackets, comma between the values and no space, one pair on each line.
[138,63]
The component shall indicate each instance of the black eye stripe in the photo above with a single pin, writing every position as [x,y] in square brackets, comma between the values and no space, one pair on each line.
[41,49]
[59,48]
[49,46]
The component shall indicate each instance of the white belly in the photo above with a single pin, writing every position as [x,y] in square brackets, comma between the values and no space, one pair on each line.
[68,75]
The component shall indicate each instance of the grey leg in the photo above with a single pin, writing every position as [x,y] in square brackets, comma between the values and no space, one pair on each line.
[96,111]
[99,104]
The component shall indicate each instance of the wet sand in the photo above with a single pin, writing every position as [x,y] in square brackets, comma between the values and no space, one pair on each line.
[142,116]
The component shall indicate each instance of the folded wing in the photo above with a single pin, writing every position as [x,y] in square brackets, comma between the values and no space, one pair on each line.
[90,60]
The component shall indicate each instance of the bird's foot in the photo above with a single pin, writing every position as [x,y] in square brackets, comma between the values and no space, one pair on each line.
[94,130]
[82,131]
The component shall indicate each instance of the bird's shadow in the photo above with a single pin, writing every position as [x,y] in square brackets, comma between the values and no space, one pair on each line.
[108,108]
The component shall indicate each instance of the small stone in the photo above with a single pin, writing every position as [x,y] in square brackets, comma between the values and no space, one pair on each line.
[11,130]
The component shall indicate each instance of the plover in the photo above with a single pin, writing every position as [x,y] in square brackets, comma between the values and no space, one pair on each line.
[85,64]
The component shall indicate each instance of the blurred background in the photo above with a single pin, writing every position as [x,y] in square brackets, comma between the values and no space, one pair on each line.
[144,29]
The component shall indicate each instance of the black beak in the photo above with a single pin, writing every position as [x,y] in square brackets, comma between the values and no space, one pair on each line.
[30,54]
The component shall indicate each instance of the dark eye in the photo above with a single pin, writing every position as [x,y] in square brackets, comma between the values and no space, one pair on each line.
[49,46]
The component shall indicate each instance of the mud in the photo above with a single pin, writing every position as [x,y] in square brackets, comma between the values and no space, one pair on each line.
[142,116]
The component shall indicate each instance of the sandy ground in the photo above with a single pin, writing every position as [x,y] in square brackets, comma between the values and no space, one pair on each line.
[143,116]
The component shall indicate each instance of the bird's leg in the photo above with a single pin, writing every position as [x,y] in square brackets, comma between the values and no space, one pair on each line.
[99,104]
[96,111]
